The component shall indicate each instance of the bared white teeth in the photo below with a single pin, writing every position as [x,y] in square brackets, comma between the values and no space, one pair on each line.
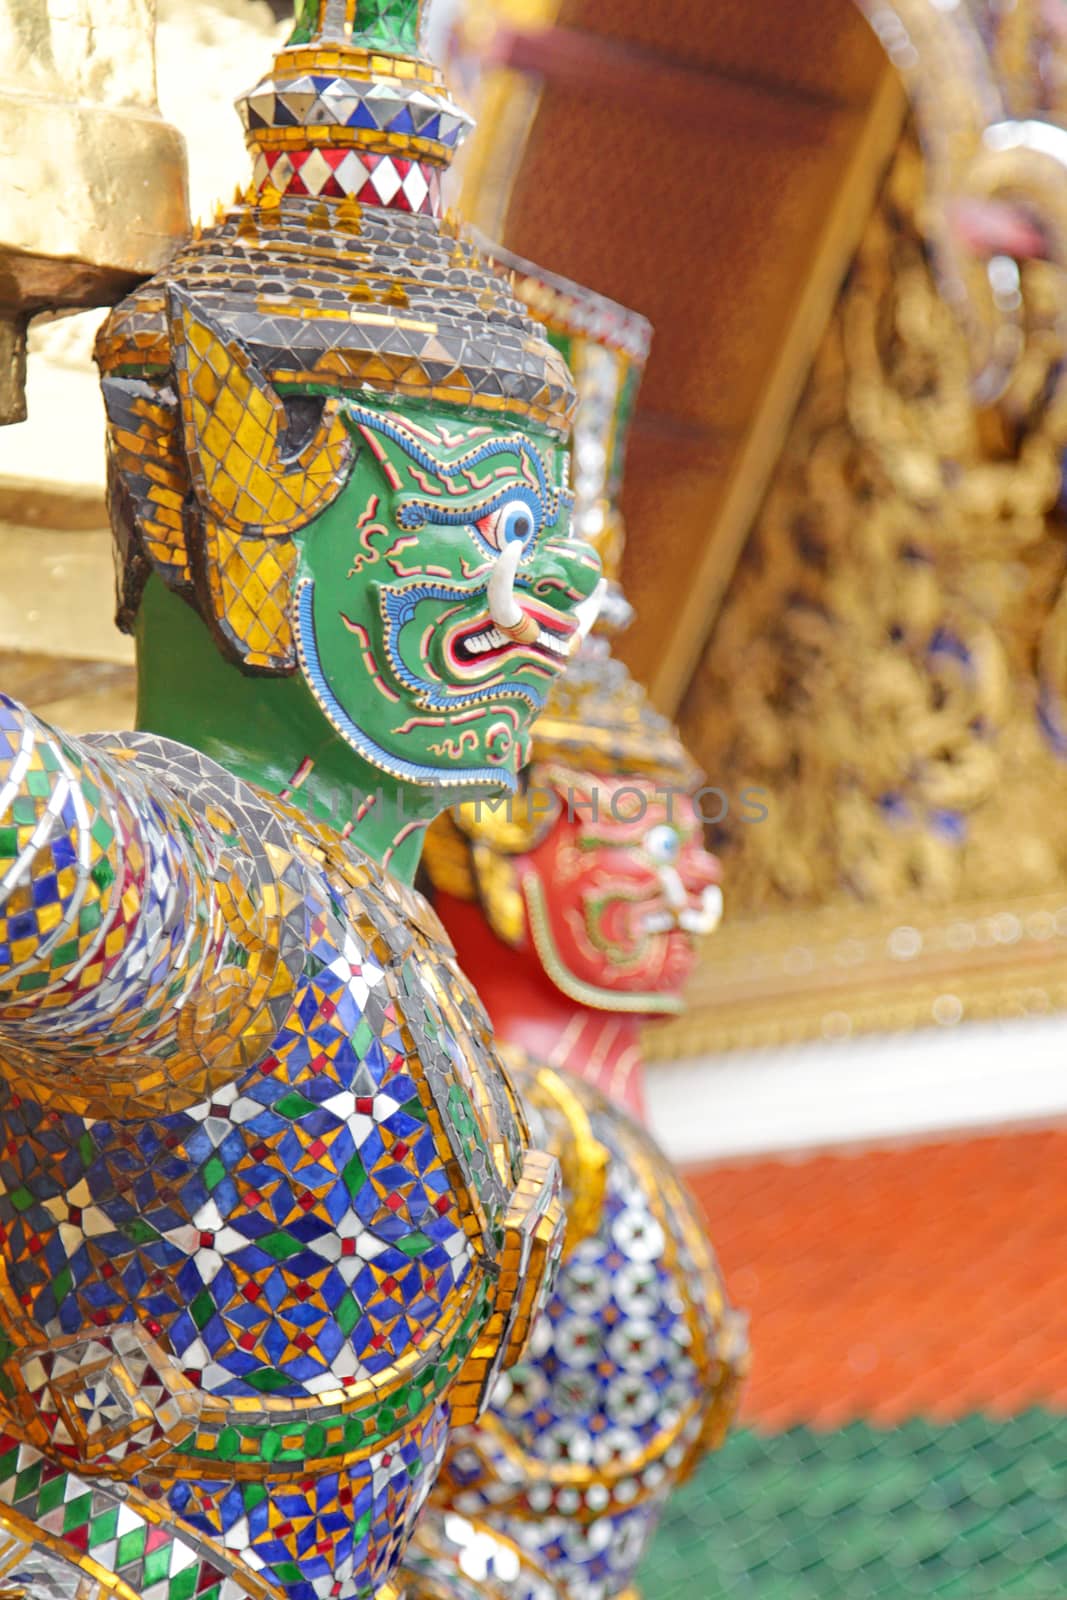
[550,641]
[488,639]
[513,625]
[492,639]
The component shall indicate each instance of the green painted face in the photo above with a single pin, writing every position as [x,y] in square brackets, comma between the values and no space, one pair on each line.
[392,615]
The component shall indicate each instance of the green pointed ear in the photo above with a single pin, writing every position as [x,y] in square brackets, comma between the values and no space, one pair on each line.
[234,421]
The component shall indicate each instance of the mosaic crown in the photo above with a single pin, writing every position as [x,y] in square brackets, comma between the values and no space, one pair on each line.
[599,719]
[335,275]
[351,108]
[606,347]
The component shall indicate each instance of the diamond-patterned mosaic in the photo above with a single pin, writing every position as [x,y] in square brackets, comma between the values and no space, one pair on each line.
[633,1370]
[282,1248]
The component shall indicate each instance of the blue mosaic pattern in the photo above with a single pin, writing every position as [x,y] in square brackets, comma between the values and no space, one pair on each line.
[340,1533]
[271,1191]
[632,1373]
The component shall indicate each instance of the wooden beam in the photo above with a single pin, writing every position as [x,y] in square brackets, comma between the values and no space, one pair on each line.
[657,85]
[761,444]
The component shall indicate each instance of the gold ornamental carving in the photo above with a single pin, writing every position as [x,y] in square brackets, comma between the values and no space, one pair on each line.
[890,668]
[988,87]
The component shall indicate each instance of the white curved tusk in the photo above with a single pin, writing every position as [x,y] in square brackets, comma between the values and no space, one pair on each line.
[503,607]
[588,610]
[673,888]
[707,919]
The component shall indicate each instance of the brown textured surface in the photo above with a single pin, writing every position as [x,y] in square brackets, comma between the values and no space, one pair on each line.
[687,479]
[701,203]
[696,262]
[812,47]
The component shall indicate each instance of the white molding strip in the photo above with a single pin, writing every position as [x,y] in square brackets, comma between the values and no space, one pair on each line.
[884,1087]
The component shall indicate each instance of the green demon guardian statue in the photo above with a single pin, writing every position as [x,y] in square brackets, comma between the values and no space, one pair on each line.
[270,1223]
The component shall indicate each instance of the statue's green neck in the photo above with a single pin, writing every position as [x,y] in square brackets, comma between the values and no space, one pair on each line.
[269,731]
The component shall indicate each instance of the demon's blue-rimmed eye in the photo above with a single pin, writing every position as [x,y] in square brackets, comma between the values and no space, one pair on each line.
[514,522]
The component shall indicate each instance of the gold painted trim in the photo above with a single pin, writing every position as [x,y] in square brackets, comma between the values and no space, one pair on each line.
[843,971]
[338,136]
[19,1527]
[355,62]
[31,1534]
[210,1415]
[717,1348]
[582,1158]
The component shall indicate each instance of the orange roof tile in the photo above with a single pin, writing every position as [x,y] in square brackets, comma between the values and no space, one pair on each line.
[929,1281]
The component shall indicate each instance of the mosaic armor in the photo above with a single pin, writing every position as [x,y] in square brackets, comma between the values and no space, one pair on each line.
[271,1220]
[633,1369]
[267,1207]
[462,1558]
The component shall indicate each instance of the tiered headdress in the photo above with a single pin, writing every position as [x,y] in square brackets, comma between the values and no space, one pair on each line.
[334,275]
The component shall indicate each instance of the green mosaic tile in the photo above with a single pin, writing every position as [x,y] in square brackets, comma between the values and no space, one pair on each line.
[388,24]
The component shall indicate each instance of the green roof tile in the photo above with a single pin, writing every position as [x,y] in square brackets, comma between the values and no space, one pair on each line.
[968,1511]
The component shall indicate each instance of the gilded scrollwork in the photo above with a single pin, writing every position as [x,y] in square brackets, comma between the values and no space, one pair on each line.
[986,82]
[890,661]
